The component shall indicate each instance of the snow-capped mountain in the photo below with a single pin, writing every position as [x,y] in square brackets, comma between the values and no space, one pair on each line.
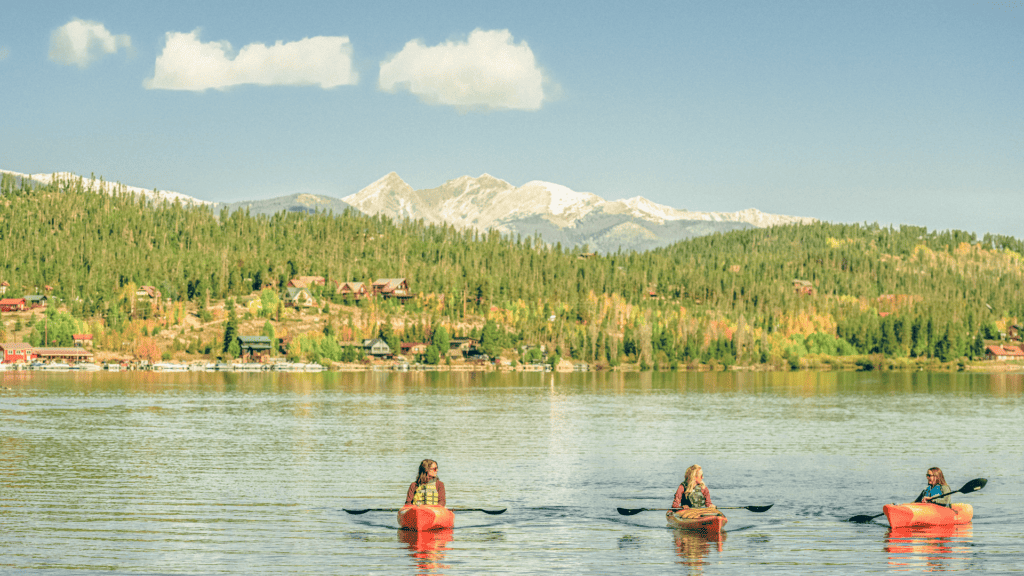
[556,212]
[99,185]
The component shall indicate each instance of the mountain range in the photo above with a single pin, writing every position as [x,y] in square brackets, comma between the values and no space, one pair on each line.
[554,212]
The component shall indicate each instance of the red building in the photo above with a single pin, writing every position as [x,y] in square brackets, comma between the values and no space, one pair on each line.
[17,352]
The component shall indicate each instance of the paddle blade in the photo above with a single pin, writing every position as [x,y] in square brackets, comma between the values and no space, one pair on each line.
[494,512]
[630,511]
[759,508]
[356,511]
[863,518]
[974,485]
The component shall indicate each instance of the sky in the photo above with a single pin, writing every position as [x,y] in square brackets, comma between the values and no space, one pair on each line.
[860,112]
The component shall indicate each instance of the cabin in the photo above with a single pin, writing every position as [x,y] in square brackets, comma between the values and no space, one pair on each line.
[17,352]
[377,348]
[36,301]
[1013,332]
[4,286]
[13,305]
[392,288]
[255,348]
[463,346]
[995,352]
[413,348]
[803,287]
[148,292]
[353,290]
[299,298]
[82,340]
[306,282]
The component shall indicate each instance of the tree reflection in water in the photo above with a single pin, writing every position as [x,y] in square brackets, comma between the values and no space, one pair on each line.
[427,548]
[931,548]
[693,546]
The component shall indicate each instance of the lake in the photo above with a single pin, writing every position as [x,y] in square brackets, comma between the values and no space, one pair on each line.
[221,473]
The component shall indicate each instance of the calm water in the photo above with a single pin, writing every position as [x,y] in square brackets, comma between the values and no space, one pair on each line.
[138,473]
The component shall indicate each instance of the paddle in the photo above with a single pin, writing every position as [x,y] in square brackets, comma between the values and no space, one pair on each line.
[485,511]
[972,486]
[632,511]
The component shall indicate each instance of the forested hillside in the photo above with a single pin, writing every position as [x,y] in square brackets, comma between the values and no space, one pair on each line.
[721,299]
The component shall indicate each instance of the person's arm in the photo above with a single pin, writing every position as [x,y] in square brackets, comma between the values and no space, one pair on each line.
[440,493]
[920,497]
[411,494]
[677,502]
[707,497]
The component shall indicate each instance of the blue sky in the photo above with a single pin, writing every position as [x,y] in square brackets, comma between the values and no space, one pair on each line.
[890,112]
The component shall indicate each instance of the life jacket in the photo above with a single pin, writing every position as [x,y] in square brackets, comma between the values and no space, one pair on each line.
[933,491]
[696,497]
[426,494]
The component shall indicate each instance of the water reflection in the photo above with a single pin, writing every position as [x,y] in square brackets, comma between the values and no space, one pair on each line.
[693,547]
[932,548]
[427,549]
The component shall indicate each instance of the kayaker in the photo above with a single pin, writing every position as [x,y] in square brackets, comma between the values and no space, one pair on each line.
[692,493]
[936,487]
[427,489]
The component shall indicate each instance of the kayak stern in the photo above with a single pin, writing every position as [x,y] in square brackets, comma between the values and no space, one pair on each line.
[422,518]
[705,520]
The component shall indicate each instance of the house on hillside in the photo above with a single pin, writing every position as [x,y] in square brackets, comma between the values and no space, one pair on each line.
[299,298]
[306,282]
[82,340]
[4,286]
[803,287]
[36,301]
[392,288]
[413,348]
[353,290]
[13,305]
[1004,353]
[255,348]
[463,346]
[377,348]
[148,292]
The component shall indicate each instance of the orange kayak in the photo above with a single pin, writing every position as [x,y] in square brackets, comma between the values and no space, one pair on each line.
[421,518]
[923,514]
[705,520]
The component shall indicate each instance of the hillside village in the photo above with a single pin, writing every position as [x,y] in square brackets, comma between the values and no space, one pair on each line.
[307,304]
[97,278]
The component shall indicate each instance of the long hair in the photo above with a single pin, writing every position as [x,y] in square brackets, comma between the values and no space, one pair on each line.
[421,477]
[690,478]
[939,478]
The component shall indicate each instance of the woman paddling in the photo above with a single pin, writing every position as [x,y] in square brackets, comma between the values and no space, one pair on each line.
[427,489]
[692,493]
[936,488]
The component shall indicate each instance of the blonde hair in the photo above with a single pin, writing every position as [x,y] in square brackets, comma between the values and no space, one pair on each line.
[939,478]
[689,478]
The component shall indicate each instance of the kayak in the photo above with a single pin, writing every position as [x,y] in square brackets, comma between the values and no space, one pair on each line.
[707,520]
[421,518]
[925,514]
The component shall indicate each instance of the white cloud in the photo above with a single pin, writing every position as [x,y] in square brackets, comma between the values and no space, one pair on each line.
[79,42]
[487,71]
[188,64]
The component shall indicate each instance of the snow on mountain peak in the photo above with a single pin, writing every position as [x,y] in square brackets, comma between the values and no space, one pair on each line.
[101,185]
[561,200]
